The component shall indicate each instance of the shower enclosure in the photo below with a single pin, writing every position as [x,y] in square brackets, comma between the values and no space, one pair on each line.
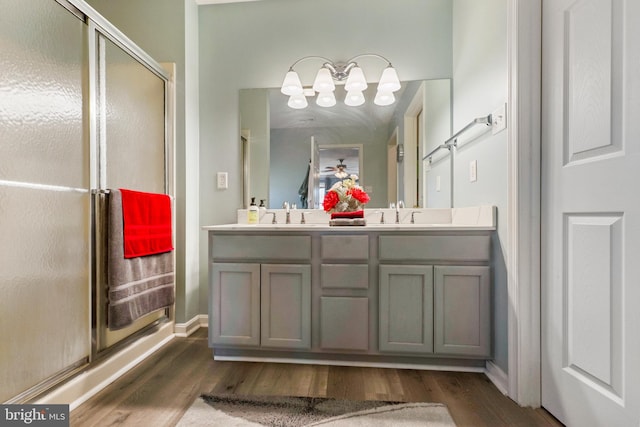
[82,110]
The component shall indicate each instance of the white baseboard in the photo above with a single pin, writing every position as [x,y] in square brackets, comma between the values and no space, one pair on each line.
[350,363]
[183,330]
[88,383]
[497,377]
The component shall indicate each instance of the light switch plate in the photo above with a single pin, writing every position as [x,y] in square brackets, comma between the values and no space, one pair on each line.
[499,119]
[473,171]
[222,180]
[438,183]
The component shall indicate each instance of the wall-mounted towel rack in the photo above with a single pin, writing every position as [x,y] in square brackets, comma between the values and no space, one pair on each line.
[453,141]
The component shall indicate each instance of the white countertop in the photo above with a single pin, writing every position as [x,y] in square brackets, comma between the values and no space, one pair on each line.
[479,218]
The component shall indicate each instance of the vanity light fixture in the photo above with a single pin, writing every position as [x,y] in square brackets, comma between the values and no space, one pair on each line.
[349,72]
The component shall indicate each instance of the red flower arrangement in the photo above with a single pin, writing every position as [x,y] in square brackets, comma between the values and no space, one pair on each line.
[345,196]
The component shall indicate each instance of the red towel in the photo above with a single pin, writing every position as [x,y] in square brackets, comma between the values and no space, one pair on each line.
[354,214]
[147,223]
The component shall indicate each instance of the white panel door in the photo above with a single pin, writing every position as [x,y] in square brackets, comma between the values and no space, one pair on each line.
[591,212]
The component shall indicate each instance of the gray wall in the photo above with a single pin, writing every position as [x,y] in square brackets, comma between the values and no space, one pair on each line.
[251,45]
[480,82]
[167,30]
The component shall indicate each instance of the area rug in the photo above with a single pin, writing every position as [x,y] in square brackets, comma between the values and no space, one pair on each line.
[273,411]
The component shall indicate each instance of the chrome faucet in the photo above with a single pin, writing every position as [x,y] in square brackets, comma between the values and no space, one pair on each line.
[285,206]
[302,220]
[273,221]
[399,205]
[381,216]
[413,221]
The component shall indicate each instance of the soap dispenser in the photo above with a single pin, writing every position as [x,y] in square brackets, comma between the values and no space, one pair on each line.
[253,216]
[262,208]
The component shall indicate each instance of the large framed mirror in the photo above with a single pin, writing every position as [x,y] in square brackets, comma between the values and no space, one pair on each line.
[392,141]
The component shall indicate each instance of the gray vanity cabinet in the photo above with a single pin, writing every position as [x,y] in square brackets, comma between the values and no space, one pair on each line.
[406,308]
[264,301]
[439,309]
[351,294]
[234,304]
[285,306]
[462,310]
[344,289]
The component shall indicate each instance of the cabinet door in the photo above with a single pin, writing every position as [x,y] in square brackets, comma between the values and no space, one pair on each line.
[234,304]
[344,323]
[462,316]
[406,308]
[286,306]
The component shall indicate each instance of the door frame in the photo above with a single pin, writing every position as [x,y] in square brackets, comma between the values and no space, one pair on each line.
[524,32]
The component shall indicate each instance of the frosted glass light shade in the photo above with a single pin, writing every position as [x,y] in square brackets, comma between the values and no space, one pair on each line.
[354,98]
[326,99]
[384,98]
[298,101]
[389,81]
[356,80]
[323,81]
[291,84]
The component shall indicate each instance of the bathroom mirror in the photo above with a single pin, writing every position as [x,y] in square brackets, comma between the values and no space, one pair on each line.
[281,144]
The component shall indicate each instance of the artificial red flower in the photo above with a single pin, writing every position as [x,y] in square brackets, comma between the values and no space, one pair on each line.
[359,195]
[331,199]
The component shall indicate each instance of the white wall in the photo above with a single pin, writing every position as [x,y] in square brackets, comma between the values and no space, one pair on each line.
[480,85]
[251,45]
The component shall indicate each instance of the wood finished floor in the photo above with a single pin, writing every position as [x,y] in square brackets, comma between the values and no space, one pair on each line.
[158,391]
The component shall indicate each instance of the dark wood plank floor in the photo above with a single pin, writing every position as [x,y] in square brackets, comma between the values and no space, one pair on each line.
[159,391]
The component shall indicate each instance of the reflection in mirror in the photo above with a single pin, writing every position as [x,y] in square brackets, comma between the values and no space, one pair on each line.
[282,144]
[335,162]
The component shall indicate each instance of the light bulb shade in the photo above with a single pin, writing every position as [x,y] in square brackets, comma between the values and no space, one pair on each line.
[341,174]
[323,81]
[291,84]
[326,99]
[298,101]
[356,80]
[384,98]
[354,98]
[389,81]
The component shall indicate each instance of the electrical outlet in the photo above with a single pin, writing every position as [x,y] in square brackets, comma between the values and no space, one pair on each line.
[223,180]
[473,171]
[438,183]
[499,119]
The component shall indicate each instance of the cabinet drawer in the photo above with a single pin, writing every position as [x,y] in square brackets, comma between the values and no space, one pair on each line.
[260,247]
[345,247]
[429,248]
[344,276]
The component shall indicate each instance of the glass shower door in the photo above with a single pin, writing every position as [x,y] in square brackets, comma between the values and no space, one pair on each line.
[44,196]
[131,136]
